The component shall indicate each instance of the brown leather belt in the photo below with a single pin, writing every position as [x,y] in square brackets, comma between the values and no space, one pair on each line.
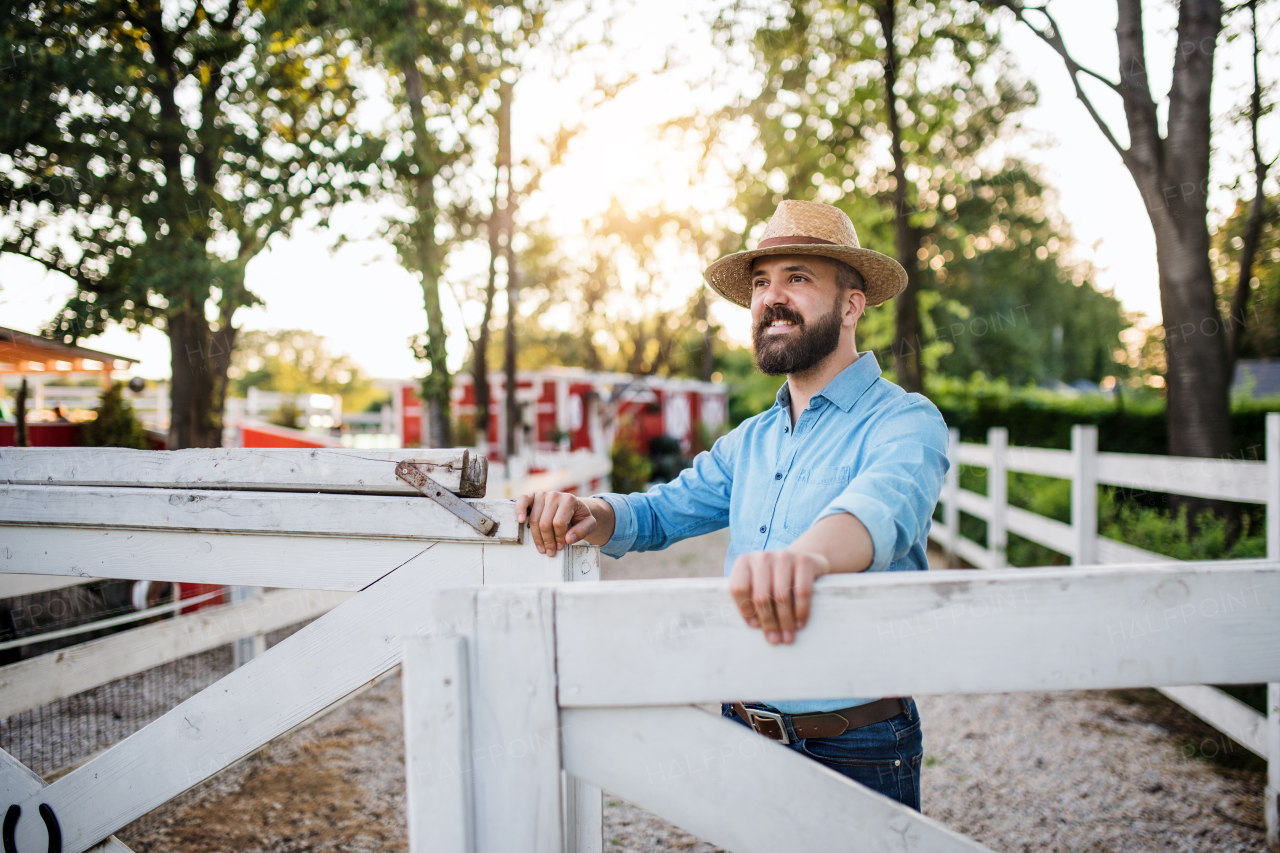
[823,724]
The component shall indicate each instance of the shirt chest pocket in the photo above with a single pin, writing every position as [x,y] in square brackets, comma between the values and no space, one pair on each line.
[813,489]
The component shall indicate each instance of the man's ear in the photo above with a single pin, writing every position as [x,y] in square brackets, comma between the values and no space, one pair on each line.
[855,305]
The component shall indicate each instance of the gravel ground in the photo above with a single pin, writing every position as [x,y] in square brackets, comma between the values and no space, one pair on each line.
[1095,771]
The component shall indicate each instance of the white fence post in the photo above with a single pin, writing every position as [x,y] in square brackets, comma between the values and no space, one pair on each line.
[248,648]
[1084,494]
[997,494]
[1272,809]
[951,498]
[437,734]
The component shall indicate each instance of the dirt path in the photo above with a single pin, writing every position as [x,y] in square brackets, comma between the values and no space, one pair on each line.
[1097,771]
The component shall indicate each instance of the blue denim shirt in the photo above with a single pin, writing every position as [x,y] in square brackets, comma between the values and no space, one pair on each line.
[862,446]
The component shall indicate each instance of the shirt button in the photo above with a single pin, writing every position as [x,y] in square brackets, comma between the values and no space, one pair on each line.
[777,476]
[786,429]
[762,528]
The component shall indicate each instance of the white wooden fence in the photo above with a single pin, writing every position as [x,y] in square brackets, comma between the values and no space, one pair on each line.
[324,527]
[512,685]
[1246,480]
[524,700]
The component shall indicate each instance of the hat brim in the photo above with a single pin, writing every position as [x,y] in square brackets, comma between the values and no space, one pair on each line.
[885,278]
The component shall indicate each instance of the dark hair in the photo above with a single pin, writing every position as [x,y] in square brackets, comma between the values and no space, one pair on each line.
[847,278]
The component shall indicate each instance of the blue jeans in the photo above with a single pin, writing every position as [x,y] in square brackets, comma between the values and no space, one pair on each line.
[884,756]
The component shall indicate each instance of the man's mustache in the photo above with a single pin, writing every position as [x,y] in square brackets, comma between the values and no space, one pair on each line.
[778,312]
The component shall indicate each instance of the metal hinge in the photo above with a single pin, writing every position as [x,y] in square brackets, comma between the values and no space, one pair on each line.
[416,477]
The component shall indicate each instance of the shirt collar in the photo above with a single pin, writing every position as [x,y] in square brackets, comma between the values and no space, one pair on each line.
[845,389]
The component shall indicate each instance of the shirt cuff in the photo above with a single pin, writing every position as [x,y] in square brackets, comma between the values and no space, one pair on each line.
[624,526]
[874,516]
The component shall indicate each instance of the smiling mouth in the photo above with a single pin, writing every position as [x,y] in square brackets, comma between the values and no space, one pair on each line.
[778,327]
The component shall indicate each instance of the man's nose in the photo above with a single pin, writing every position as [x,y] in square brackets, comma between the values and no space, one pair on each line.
[773,294]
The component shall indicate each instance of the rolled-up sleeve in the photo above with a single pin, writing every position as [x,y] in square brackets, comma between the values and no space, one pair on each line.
[895,493]
[694,503]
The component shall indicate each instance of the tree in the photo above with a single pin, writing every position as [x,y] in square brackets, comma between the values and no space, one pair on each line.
[1259,216]
[296,361]
[1260,308]
[618,296]
[439,59]
[114,424]
[1171,171]
[990,288]
[890,99]
[167,147]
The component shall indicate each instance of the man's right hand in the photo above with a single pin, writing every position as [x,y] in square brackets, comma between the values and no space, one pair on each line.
[556,520]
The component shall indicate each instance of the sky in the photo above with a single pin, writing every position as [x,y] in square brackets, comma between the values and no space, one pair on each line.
[368,306]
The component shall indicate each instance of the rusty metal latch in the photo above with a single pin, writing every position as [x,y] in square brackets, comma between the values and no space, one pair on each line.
[414,476]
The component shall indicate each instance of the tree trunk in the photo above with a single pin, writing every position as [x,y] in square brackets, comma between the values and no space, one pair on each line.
[513,285]
[704,317]
[1173,176]
[436,384]
[198,367]
[20,415]
[1257,212]
[907,339]
[480,373]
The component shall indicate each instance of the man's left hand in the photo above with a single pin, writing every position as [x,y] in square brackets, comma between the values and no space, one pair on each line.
[773,590]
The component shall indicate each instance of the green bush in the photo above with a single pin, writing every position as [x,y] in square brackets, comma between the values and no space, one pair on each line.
[1120,517]
[1157,530]
[631,469]
[115,424]
[1134,422]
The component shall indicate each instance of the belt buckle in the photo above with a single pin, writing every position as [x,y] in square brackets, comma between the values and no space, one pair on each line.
[771,720]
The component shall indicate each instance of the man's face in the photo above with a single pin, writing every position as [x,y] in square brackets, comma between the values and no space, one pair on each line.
[797,312]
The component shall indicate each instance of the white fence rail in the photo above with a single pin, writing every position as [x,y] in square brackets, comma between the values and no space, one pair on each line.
[512,685]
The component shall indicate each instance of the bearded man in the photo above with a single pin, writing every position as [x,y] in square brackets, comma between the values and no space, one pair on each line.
[840,475]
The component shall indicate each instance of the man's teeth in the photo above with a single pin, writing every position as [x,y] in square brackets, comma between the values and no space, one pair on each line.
[781,323]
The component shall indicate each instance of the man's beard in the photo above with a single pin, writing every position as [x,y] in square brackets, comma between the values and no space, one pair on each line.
[796,352]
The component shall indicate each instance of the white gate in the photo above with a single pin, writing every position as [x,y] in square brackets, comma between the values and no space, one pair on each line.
[334,530]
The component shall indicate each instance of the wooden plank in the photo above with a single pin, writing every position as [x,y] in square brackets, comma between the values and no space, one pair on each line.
[437,750]
[1084,495]
[951,496]
[521,563]
[365,516]
[233,559]
[997,496]
[47,678]
[1040,460]
[676,642]
[19,782]
[515,722]
[305,673]
[737,790]
[583,800]
[515,738]
[12,586]
[248,469]
[1225,713]
[583,815]
[975,504]
[1228,479]
[977,455]
[1037,528]
[1272,792]
[1113,553]
[973,553]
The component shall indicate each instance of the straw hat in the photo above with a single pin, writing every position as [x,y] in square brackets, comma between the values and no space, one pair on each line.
[808,228]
